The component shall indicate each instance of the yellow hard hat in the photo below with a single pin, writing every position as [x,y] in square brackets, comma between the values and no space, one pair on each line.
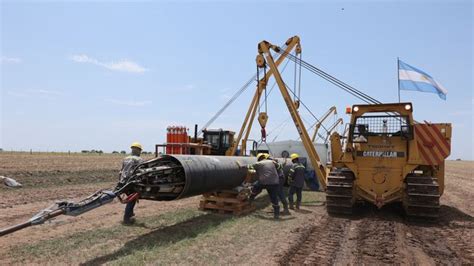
[136,145]
[262,156]
[294,156]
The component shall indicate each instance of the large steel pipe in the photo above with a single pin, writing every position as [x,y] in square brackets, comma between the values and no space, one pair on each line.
[171,177]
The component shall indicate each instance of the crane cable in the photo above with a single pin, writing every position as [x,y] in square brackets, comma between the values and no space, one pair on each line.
[304,105]
[311,113]
[294,78]
[232,99]
[346,87]
[299,78]
[281,129]
[284,123]
[359,94]
[274,84]
[265,87]
[351,90]
[266,92]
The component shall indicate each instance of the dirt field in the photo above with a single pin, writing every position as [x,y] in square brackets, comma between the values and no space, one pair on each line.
[177,233]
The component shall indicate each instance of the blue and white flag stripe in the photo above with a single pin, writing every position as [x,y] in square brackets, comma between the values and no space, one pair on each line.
[414,79]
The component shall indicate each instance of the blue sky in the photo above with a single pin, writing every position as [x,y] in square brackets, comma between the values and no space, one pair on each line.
[102,75]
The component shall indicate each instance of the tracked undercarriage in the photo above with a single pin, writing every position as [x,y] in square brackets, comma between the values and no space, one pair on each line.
[422,196]
[339,193]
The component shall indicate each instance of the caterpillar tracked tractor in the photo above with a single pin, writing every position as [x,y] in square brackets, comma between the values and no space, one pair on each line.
[385,156]
[388,157]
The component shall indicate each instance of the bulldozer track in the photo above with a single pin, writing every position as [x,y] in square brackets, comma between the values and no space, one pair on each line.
[341,241]
[339,193]
[319,244]
[422,197]
[376,242]
[384,237]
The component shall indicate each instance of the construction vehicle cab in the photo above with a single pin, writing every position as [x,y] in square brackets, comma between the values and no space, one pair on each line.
[219,139]
[388,157]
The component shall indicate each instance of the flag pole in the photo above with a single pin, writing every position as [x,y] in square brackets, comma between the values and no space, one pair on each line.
[398,77]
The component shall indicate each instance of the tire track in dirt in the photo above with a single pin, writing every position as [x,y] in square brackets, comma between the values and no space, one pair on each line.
[346,240]
[387,236]
[376,242]
[449,240]
[384,237]
[319,243]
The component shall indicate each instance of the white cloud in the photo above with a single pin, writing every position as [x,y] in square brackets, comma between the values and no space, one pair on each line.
[128,103]
[17,94]
[225,96]
[122,65]
[10,60]
[185,88]
[225,93]
[41,93]
[46,92]
[225,90]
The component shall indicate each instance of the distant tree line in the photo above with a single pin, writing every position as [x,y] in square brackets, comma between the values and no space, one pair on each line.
[92,151]
[124,152]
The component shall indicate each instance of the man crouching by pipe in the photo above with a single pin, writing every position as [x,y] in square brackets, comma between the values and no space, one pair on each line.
[268,179]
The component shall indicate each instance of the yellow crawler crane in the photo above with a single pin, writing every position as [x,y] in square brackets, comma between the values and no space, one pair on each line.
[265,60]
[388,157]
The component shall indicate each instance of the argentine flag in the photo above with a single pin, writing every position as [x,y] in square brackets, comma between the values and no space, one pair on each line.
[412,79]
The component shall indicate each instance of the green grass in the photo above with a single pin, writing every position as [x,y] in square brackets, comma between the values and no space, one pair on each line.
[185,236]
[82,240]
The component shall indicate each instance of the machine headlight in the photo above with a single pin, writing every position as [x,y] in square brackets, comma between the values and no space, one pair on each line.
[407,107]
[356,108]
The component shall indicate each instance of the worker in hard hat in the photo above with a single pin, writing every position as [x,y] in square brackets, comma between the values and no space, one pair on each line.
[281,184]
[267,179]
[128,166]
[296,181]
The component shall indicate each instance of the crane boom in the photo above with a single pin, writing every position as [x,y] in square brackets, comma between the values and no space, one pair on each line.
[264,50]
[321,120]
[250,116]
[339,121]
